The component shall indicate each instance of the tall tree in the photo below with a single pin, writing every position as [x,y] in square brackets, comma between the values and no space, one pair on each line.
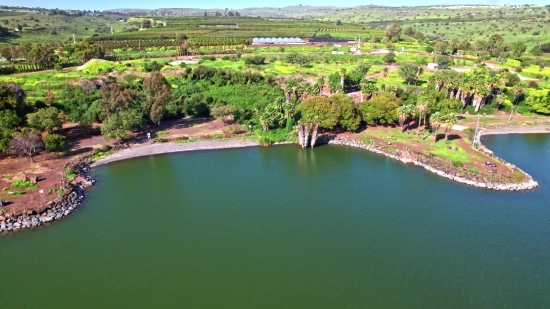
[380,110]
[436,119]
[441,47]
[350,119]
[450,120]
[26,145]
[8,126]
[422,107]
[410,72]
[45,119]
[342,78]
[119,111]
[393,30]
[11,96]
[321,108]
[157,96]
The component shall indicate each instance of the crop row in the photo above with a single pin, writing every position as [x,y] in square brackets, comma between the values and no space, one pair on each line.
[340,30]
[193,42]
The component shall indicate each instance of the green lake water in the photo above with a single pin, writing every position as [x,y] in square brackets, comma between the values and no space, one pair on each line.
[281,227]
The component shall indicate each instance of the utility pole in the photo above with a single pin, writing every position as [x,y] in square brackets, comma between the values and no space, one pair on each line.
[111,29]
[74,39]
[475,134]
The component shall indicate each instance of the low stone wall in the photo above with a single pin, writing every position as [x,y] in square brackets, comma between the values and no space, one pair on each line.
[55,210]
[416,159]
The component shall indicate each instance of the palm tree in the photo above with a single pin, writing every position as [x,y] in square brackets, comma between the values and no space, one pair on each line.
[288,91]
[300,90]
[304,128]
[288,113]
[265,120]
[342,78]
[422,107]
[392,89]
[435,122]
[493,82]
[320,84]
[279,103]
[518,90]
[403,113]
[363,84]
[482,92]
[450,120]
[369,90]
[315,125]
[411,109]
[502,81]
[501,98]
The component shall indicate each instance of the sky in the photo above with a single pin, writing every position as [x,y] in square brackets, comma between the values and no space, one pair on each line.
[210,4]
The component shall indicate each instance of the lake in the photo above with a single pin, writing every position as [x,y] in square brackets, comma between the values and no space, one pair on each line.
[281,227]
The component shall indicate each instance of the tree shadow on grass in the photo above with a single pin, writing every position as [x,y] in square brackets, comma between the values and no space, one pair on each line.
[452,137]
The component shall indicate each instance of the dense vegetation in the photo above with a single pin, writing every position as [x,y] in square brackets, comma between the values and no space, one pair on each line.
[277,91]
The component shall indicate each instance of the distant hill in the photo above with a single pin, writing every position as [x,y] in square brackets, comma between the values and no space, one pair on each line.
[127,11]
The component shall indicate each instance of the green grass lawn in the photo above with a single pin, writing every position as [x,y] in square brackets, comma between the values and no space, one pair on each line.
[440,149]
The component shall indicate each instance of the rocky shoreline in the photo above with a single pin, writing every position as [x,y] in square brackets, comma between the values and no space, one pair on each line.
[424,161]
[55,210]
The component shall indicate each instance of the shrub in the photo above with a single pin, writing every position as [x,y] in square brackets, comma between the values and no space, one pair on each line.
[257,60]
[105,148]
[24,184]
[209,58]
[55,142]
[429,49]
[235,129]
[97,150]
[470,131]
[70,174]
[226,58]
[265,141]
[389,58]
[457,164]
[533,84]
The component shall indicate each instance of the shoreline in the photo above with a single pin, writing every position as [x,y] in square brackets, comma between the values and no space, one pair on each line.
[73,198]
[155,149]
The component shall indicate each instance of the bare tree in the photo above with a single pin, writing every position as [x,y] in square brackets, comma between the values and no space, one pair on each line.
[28,145]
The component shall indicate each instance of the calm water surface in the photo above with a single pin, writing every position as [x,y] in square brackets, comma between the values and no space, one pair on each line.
[281,227]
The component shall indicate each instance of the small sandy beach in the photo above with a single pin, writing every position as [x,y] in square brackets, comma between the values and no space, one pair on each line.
[153,149]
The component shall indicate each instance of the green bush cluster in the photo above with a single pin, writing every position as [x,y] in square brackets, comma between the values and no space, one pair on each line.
[24,184]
